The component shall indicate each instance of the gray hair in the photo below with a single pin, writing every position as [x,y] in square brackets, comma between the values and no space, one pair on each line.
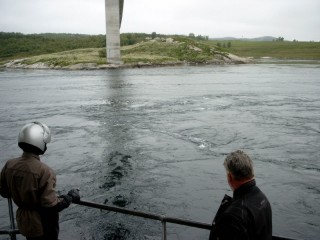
[240,165]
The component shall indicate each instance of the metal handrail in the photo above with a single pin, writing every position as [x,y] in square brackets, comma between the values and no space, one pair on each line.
[9,232]
[164,219]
[161,218]
[146,215]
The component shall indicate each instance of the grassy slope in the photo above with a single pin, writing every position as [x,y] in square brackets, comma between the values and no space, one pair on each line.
[51,49]
[85,55]
[179,50]
[280,50]
[148,52]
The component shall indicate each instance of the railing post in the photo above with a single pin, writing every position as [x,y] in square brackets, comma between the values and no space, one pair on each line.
[11,214]
[164,229]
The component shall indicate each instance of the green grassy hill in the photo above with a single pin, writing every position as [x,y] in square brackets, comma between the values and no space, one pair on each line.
[18,45]
[175,49]
[279,50]
[158,51]
[139,48]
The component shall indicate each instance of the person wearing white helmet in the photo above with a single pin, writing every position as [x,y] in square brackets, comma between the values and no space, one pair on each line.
[31,184]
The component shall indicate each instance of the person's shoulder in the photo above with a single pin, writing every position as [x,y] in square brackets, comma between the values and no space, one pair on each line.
[236,211]
[15,159]
[45,166]
[11,162]
[46,169]
[259,196]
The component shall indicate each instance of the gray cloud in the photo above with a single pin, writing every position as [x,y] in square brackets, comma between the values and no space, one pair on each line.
[292,19]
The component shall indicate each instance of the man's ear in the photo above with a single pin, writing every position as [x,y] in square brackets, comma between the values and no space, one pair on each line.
[230,180]
[229,177]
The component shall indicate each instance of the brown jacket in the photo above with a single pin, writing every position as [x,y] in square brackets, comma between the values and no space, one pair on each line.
[31,184]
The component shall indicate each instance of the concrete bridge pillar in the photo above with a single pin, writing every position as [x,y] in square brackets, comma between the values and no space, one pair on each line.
[113,21]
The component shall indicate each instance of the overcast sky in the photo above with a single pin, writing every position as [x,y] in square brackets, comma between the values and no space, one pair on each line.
[291,19]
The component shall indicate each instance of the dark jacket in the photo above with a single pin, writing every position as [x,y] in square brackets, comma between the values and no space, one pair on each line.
[246,216]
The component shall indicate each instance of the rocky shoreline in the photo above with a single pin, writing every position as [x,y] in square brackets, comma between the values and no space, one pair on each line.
[226,59]
[157,52]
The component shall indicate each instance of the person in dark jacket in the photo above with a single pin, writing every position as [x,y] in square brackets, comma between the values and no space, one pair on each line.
[31,184]
[246,216]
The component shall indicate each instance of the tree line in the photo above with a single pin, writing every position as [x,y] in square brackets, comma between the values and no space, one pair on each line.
[18,45]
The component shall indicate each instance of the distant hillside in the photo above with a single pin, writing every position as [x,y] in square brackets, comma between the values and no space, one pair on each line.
[18,45]
[272,49]
[258,39]
[150,52]
[67,49]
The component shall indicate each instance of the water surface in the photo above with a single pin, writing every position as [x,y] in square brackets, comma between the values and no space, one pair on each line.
[154,140]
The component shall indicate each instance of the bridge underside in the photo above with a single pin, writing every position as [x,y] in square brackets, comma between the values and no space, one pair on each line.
[114,9]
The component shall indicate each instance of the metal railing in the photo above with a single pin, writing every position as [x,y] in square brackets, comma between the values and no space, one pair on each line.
[161,218]
[12,232]
[164,219]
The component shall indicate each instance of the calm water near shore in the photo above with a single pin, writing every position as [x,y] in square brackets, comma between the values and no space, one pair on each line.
[154,140]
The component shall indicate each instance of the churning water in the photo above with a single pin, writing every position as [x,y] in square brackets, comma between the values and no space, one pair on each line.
[154,140]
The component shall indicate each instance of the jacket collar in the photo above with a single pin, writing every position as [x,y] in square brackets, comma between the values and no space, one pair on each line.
[28,155]
[243,189]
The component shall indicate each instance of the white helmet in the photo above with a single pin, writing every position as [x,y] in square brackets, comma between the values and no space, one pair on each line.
[35,134]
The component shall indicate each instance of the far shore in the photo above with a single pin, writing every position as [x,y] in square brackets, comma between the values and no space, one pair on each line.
[160,52]
[226,59]
[16,64]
